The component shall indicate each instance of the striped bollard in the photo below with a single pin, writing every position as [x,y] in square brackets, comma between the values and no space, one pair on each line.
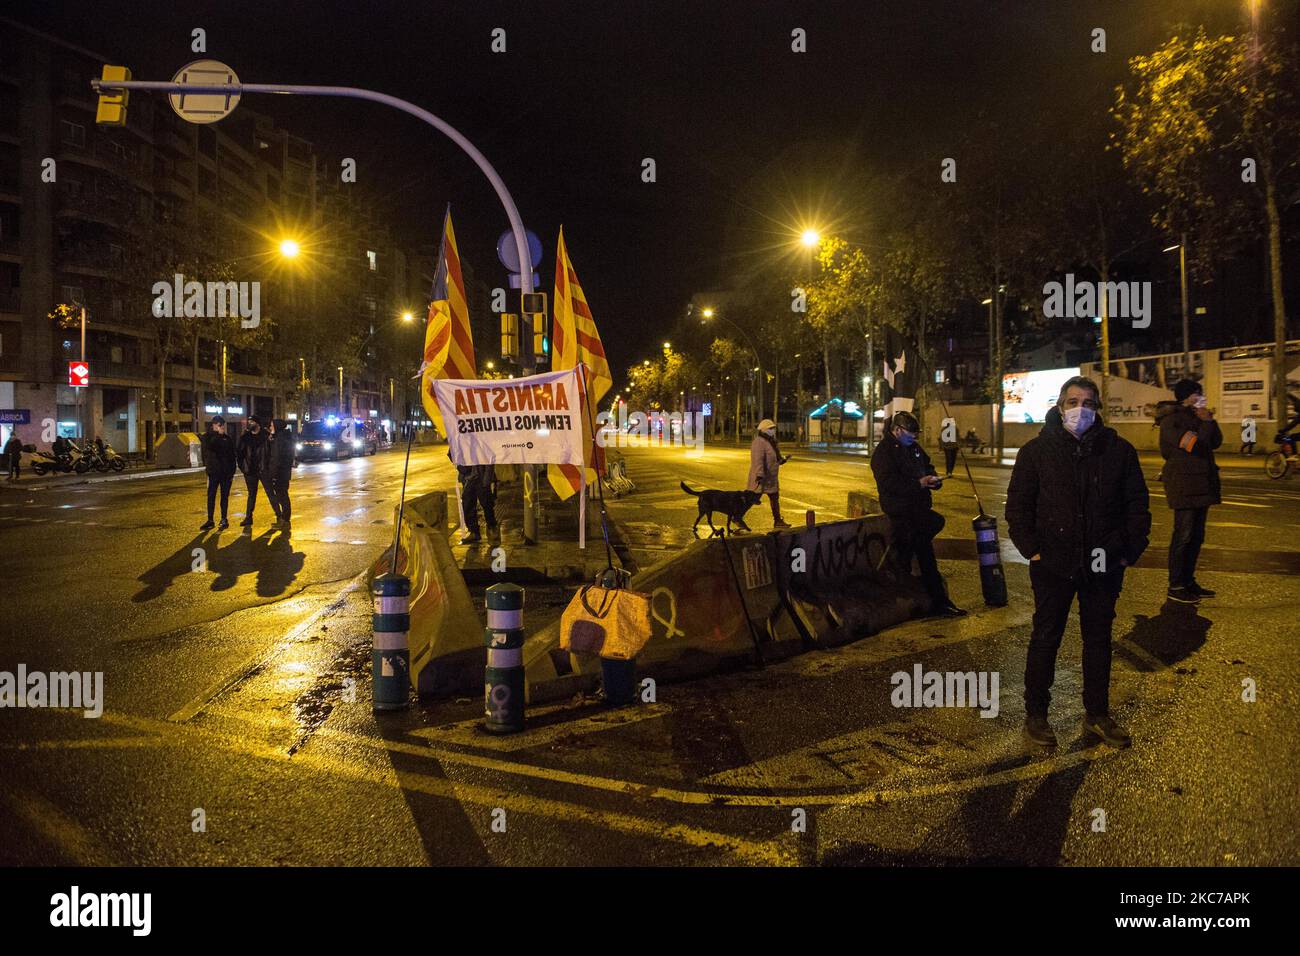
[992,580]
[503,679]
[390,663]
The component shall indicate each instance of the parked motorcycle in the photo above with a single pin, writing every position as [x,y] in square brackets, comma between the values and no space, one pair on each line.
[44,462]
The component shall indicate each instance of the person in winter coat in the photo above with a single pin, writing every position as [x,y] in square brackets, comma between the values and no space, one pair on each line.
[1077,508]
[765,461]
[219,463]
[948,442]
[250,453]
[280,453]
[1188,436]
[905,480]
[14,455]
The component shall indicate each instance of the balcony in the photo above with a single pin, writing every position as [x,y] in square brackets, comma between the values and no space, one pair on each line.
[112,210]
[89,259]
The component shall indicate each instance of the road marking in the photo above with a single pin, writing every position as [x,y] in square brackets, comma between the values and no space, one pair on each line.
[215,690]
[770,853]
[52,823]
[1231,524]
[469,733]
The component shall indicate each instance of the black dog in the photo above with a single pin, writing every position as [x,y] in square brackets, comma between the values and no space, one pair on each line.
[733,504]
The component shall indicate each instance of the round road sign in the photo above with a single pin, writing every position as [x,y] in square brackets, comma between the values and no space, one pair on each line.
[204,107]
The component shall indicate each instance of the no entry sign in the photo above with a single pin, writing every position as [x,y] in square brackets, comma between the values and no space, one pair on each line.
[79,374]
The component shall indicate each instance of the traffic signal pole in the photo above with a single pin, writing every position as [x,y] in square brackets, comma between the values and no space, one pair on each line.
[109,87]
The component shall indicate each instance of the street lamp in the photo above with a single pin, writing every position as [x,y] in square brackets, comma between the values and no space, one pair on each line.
[408,317]
[810,238]
[289,248]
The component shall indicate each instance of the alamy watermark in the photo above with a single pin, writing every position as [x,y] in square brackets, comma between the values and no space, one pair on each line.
[1083,300]
[76,690]
[638,429]
[208,300]
[923,688]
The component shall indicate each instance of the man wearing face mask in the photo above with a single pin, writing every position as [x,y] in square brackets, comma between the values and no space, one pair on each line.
[905,479]
[1188,436]
[1077,508]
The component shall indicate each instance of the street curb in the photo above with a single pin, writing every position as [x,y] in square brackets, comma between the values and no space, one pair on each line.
[52,480]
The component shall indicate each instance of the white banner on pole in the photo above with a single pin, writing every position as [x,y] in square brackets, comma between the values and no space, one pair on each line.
[532,420]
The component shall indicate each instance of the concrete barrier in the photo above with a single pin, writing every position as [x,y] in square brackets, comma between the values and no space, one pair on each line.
[843,581]
[719,604]
[446,635]
[861,503]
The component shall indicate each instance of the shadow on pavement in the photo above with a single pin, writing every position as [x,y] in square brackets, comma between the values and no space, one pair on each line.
[159,578]
[1171,636]
[270,555]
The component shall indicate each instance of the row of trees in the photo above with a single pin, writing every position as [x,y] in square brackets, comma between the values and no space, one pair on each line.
[1200,145]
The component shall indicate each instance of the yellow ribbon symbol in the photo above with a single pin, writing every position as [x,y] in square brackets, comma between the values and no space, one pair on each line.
[670,625]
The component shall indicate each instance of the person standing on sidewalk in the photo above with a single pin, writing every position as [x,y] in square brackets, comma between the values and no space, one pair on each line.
[219,463]
[250,453]
[765,461]
[477,483]
[13,455]
[1188,436]
[904,480]
[948,442]
[1078,509]
[279,469]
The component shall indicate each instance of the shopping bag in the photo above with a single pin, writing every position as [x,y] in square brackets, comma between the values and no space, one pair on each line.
[611,622]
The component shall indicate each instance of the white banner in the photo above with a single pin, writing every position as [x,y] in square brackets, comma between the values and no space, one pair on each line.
[534,420]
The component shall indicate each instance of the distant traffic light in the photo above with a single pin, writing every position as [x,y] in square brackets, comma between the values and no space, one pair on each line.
[112,105]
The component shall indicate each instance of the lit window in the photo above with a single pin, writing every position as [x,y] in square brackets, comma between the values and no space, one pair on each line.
[374,264]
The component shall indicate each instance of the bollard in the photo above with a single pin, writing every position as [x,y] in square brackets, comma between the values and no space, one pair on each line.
[503,679]
[992,580]
[390,663]
[810,518]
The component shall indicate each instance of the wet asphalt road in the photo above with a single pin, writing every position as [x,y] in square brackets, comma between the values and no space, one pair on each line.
[238,696]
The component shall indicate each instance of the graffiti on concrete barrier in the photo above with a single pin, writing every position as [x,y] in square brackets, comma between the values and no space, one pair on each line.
[670,622]
[844,549]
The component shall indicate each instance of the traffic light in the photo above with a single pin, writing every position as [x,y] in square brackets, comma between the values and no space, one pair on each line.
[541,342]
[509,336]
[112,105]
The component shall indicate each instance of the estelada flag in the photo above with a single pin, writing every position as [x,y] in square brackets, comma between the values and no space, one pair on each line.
[576,342]
[448,344]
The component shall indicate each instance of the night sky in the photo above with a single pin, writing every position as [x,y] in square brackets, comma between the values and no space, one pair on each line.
[748,137]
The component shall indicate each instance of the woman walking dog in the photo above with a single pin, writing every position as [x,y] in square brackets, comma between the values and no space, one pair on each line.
[765,460]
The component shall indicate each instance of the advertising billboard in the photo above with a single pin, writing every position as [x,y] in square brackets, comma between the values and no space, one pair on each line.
[1028,395]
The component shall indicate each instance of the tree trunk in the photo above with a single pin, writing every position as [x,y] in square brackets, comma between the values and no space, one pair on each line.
[739,386]
[826,362]
[776,394]
[1105,336]
[1279,309]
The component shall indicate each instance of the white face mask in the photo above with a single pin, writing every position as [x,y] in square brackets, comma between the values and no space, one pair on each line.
[1078,420]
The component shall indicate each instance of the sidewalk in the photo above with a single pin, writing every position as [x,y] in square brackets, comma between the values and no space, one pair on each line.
[29,478]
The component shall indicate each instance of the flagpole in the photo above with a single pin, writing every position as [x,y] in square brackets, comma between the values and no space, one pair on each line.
[582,511]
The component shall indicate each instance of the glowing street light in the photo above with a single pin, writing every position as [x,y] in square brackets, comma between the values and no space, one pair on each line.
[289,248]
[408,317]
[708,313]
[810,238]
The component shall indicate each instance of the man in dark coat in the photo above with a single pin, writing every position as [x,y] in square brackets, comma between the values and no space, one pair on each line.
[1077,508]
[280,452]
[904,480]
[219,463]
[250,453]
[1188,436]
[13,454]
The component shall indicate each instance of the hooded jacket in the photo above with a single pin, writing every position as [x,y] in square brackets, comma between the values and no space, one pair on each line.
[1068,497]
[1187,444]
[898,470]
